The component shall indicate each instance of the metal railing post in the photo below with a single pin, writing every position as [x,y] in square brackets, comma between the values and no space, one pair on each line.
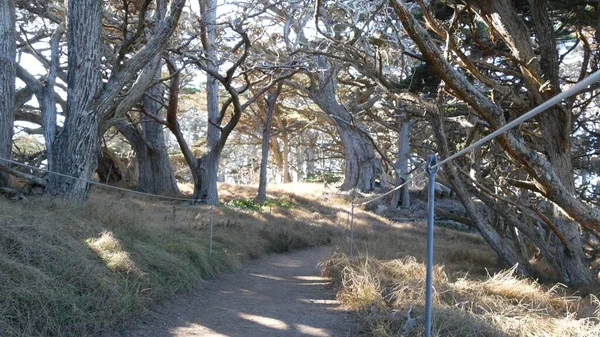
[212,221]
[432,168]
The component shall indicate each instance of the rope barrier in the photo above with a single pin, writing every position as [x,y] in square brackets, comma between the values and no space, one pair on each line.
[407,181]
[99,183]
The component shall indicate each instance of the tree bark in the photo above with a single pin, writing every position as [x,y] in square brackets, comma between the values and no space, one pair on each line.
[277,156]
[155,171]
[556,125]
[361,163]
[285,155]
[402,196]
[311,157]
[48,97]
[205,178]
[209,163]
[7,82]
[261,195]
[77,145]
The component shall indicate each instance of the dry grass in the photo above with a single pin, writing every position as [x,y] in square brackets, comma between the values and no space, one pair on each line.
[389,276]
[72,270]
[85,270]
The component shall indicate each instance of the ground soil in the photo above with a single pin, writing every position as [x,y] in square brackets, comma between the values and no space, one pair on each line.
[280,295]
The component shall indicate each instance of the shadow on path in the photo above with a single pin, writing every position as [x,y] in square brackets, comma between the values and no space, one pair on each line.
[280,295]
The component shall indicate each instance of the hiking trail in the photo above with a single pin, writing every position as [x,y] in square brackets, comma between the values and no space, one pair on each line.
[279,295]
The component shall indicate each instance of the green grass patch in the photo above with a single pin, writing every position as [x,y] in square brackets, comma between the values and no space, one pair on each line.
[249,205]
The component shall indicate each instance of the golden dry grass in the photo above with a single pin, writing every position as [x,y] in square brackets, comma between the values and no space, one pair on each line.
[83,270]
[472,296]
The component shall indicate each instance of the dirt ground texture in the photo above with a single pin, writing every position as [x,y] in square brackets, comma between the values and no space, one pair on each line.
[280,295]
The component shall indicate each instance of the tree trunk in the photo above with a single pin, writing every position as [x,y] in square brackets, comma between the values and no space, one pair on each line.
[281,156]
[556,125]
[574,269]
[209,163]
[402,196]
[261,195]
[155,171]
[276,153]
[285,155]
[311,159]
[48,97]
[205,178]
[301,161]
[7,82]
[77,145]
[361,163]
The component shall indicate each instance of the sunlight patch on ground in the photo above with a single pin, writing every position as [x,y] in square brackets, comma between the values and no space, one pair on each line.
[314,284]
[317,301]
[270,277]
[194,329]
[310,278]
[109,248]
[265,321]
[186,188]
[316,280]
[288,264]
[312,331]
[247,292]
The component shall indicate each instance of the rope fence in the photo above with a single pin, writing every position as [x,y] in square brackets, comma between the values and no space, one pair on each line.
[116,188]
[97,183]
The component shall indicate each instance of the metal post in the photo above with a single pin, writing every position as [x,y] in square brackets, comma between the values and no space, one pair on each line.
[348,221]
[431,169]
[352,232]
[212,221]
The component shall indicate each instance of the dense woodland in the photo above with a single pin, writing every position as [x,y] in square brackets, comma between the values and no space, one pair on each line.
[135,92]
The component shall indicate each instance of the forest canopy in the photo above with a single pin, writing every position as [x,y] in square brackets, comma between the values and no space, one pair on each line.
[143,93]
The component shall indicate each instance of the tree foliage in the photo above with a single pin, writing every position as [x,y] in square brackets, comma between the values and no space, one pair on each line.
[352,90]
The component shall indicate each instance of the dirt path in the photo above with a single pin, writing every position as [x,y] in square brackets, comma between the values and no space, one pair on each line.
[280,295]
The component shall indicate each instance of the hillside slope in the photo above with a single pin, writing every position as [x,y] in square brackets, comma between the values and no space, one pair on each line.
[84,270]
